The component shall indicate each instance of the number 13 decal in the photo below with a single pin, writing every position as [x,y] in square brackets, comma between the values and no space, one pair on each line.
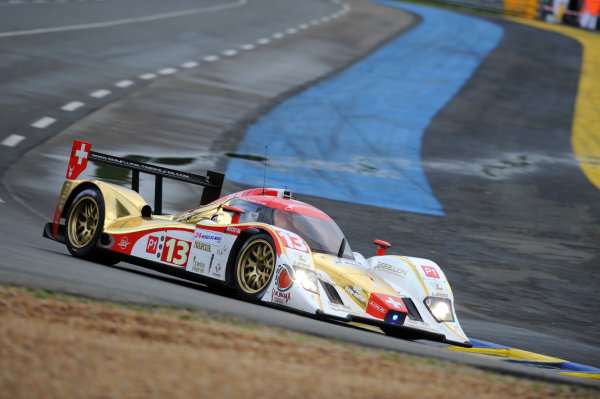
[176,251]
[293,241]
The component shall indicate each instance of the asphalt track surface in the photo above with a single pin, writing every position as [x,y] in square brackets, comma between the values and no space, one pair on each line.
[518,248]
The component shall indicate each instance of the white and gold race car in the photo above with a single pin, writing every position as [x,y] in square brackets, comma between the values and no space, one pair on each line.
[260,242]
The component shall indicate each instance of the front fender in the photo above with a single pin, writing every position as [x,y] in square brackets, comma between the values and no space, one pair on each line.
[417,279]
[286,288]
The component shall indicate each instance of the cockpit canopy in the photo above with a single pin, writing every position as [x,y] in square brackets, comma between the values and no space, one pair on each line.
[319,231]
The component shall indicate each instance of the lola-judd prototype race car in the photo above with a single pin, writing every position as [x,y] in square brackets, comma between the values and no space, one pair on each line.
[260,242]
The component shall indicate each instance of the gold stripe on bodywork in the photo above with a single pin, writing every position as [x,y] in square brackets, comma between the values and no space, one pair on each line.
[455,332]
[414,269]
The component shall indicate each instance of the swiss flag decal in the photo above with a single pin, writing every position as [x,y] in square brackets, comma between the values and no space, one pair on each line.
[79,158]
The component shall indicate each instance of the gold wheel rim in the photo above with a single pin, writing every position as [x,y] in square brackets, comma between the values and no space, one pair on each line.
[256,266]
[83,222]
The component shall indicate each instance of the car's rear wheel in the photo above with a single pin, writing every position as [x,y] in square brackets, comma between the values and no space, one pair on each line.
[255,266]
[85,220]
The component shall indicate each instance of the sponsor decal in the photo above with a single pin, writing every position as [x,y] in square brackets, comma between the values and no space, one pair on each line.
[302,262]
[212,258]
[198,266]
[202,246]
[346,262]
[233,230]
[281,297]
[208,237]
[440,294]
[355,292]
[430,271]
[223,251]
[152,245]
[389,268]
[376,306]
[62,198]
[176,251]
[218,268]
[339,307]
[124,243]
[283,280]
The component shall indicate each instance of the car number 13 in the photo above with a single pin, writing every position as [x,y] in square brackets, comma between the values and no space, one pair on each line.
[293,241]
[176,251]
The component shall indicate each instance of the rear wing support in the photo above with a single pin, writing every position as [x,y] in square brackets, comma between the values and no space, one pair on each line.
[212,182]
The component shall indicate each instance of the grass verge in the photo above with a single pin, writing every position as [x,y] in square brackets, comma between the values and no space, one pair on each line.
[60,346]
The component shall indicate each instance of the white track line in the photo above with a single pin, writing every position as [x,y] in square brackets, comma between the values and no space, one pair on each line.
[263,41]
[247,47]
[189,64]
[43,122]
[147,76]
[303,26]
[125,21]
[278,35]
[72,106]
[291,31]
[230,52]
[100,93]
[210,58]
[124,83]
[167,71]
[12,140]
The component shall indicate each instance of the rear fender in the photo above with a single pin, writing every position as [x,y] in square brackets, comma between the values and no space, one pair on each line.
[119,201]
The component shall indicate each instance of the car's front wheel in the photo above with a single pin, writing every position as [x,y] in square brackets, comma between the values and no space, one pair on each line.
[255,266]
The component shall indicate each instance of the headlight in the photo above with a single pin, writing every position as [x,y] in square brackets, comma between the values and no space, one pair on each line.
[440,308]
[307,278]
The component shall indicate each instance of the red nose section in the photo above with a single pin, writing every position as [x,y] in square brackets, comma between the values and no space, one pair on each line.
[381,304]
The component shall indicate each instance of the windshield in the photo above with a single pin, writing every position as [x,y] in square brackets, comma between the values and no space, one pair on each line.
[321,235]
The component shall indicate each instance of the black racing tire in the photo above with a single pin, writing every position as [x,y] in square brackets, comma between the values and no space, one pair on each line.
[255,266]
[84,222]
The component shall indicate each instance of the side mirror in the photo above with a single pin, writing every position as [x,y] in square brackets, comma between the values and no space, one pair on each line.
[236,213]
[383,246]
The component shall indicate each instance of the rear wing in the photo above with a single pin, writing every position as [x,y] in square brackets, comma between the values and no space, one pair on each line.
[81,152]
